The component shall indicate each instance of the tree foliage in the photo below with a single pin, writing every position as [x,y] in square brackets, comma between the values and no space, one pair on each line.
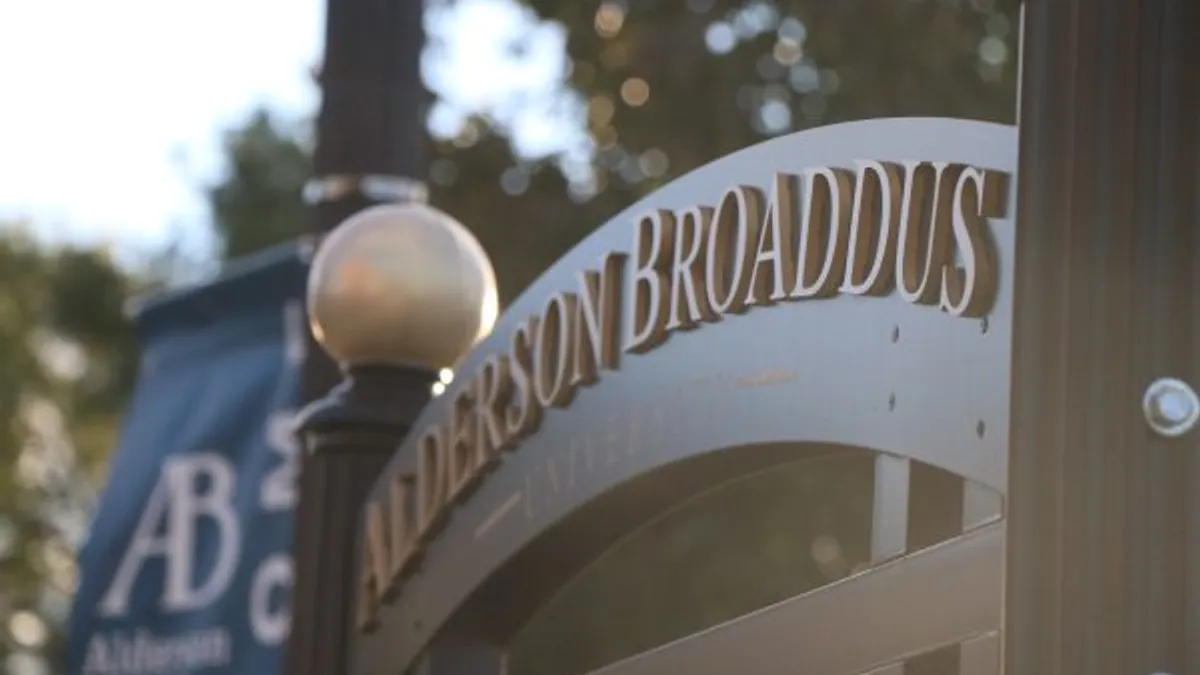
[67,362]
[660,88]
[258,203]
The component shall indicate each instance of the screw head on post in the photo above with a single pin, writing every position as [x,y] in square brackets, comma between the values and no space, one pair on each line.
[1171,407]
[401,285]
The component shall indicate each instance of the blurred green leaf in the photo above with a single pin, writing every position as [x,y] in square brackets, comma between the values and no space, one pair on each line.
[67,362]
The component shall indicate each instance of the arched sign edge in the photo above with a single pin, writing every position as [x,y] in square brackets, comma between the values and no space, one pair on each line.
[993,148]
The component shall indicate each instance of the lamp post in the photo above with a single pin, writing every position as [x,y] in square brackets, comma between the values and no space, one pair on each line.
[370,150]
[396,293]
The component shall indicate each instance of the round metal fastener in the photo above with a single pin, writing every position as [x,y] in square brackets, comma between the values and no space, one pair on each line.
[1171,407]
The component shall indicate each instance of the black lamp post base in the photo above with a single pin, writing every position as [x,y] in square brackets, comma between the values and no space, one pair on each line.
[349,437]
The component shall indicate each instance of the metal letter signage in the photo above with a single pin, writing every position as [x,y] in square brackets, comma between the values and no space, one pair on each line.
[787,292]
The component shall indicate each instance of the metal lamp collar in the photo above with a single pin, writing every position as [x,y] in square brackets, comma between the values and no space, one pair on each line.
[375,187]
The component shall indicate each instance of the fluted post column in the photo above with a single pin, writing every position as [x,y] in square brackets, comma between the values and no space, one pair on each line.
[1104,494]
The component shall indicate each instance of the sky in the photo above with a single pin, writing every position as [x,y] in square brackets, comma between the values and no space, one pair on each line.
[112,112]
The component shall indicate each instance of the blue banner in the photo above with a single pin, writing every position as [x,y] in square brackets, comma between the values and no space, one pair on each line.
[187,567]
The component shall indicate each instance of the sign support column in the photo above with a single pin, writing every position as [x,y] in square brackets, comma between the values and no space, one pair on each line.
[1104,492]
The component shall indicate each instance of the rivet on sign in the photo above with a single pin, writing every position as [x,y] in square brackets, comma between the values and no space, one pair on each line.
[1171,407]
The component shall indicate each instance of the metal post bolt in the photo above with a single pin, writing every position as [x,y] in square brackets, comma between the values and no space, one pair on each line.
[1171,407]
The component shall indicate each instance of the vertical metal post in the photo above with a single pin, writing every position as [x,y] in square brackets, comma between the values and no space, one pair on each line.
[371,143]
[370,149]
[349,436]
[1103,517]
